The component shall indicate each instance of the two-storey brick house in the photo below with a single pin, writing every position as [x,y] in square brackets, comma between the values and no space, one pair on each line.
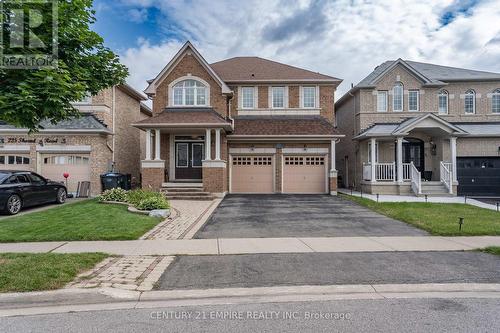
[99,141]
[421,128]
[242,125]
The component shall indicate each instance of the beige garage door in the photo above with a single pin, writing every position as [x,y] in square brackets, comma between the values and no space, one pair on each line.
[15,162]
[77,166]
[252,174]
[304,174]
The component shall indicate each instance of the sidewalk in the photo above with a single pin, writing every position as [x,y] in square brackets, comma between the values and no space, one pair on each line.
[259,245]
[412,198]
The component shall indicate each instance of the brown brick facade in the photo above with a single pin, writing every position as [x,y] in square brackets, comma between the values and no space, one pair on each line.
[214,180]
[152,178]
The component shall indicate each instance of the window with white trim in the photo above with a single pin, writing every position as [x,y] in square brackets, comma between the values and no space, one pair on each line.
[278,97]
[397,97]
[381,101]
[14,159]
[308,97]
[190,93]
[443,102]
[470,102]
[413,100]
[247,97]
[495,101]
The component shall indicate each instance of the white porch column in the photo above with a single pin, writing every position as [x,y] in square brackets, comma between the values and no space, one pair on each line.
[332,155]
[208,149]
[399,152]
[453,146]
[148,145]
[373,143]
[217,144]
[157,145]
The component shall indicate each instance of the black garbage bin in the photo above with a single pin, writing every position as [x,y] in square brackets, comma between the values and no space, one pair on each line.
[114,179]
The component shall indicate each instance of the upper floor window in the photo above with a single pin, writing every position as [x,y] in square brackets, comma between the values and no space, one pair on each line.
[443,102]
[413,100]
[381,101]
[278,97]
[190,93]
[470,102]
[247,97]
[309,97]
[397,97]
[495,101]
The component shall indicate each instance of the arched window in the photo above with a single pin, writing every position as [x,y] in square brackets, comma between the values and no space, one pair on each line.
[397,97]
[495,101]
[189,93]
[443,102]
[470,102]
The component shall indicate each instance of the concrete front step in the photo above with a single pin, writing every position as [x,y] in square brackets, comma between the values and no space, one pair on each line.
[191,197]
[184,189]
[182,185]
[188,194]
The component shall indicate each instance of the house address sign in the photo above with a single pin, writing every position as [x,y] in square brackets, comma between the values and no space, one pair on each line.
[41,142]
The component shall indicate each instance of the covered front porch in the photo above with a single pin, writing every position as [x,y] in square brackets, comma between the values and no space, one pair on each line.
[189,155]
[417,156]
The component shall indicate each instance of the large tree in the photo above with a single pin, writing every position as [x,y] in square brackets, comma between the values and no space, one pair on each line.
[85,66]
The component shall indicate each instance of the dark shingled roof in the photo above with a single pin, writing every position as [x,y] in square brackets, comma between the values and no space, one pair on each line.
[86,121]
[283,125]
[258,69]
[186,116]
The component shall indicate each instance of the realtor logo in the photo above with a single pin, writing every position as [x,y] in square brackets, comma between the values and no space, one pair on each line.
[28,38]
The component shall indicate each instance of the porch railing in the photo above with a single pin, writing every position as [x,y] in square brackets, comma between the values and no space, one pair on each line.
[416,179]
[385,171]
[446,175]
[406,171]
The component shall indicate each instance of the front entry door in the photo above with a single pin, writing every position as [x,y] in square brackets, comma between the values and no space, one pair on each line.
[413,151]
[188,160]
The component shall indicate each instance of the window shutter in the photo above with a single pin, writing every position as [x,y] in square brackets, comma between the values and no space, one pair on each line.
[240,98]
[270,97]
[285,102]
[256,97]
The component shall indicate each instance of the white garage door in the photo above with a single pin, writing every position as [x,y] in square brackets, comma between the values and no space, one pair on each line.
[77,166]
[15,162]
[304,174]
[252,174]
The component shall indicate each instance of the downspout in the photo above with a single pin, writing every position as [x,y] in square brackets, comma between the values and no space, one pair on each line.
[114,134]
[354,130]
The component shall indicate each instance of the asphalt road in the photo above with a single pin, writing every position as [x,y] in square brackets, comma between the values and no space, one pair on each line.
[251,216]
[389,315]
[264,270]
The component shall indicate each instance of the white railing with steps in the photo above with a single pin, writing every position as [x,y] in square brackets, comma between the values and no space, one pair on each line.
[446,176]
[416,179]
[406,171]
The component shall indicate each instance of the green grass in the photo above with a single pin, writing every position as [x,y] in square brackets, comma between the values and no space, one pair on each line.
[86,220]
[492,250]
[21,272]
[438,219]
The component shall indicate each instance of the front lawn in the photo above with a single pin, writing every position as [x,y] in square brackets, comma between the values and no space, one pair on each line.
[438,219]
[45,271]
[492,250]
[86,220]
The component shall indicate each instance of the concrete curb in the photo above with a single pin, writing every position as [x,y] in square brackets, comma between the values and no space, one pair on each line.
[77,300]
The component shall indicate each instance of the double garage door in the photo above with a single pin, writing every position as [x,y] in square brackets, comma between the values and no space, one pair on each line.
[257,174]
[478,176]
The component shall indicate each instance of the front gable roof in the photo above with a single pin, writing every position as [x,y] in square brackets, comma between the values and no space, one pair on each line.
[153,84]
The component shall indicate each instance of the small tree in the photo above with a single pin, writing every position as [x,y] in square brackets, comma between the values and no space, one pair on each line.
[85,66]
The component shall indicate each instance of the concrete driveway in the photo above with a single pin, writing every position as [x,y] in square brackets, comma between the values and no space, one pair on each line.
[254,216]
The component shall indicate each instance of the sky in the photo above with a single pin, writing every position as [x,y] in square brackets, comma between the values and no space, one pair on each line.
[343,38]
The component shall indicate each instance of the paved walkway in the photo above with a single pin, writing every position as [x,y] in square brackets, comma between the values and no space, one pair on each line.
[186,215]
[408,198]
[258,245]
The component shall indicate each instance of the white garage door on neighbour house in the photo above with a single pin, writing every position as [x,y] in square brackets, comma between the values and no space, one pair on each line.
[15,162]
[53,167]
[304,174]
[252,174]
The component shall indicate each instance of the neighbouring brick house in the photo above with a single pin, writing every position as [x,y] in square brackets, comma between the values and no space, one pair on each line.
[241,125]
[99,141]
[420,128]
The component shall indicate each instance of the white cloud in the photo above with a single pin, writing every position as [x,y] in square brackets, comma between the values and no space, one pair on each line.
[346,39]
[138,15]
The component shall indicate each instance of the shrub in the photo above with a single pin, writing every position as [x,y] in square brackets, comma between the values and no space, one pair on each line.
[152,203]
[114,194]
[136,196]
